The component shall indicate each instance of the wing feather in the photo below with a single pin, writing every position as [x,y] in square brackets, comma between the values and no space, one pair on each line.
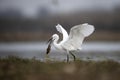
[77,35]
[61,30]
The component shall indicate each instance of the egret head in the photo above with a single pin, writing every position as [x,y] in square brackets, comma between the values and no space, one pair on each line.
[54,37]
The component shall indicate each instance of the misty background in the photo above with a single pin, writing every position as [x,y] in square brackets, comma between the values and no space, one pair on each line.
[35,20]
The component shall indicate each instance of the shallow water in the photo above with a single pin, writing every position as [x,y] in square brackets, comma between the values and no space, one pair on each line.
[90,51]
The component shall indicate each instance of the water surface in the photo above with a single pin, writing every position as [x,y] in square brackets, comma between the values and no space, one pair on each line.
[90,51]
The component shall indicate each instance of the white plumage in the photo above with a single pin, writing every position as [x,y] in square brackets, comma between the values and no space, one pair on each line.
[74,40]
[61,30]
[77,35]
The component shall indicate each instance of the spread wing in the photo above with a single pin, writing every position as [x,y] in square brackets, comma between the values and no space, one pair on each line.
[77,35]
[61,30]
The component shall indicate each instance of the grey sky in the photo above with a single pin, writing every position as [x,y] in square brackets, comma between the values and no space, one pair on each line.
[30,7]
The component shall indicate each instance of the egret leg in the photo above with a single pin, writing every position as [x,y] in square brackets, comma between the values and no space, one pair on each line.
[67,57]
[73,56]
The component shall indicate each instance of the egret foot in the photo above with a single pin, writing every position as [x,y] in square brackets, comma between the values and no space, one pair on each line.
[73,56]
[67,58]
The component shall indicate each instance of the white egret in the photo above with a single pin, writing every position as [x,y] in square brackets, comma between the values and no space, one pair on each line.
[72,42]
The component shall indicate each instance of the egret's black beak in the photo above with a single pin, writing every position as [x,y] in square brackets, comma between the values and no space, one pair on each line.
[50,40]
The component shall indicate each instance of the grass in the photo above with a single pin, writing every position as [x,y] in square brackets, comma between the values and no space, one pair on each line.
[14,68]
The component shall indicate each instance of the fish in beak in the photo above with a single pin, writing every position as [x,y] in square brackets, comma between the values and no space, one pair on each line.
[49,45]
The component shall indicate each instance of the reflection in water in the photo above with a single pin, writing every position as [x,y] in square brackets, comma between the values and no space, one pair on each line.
[91,51]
